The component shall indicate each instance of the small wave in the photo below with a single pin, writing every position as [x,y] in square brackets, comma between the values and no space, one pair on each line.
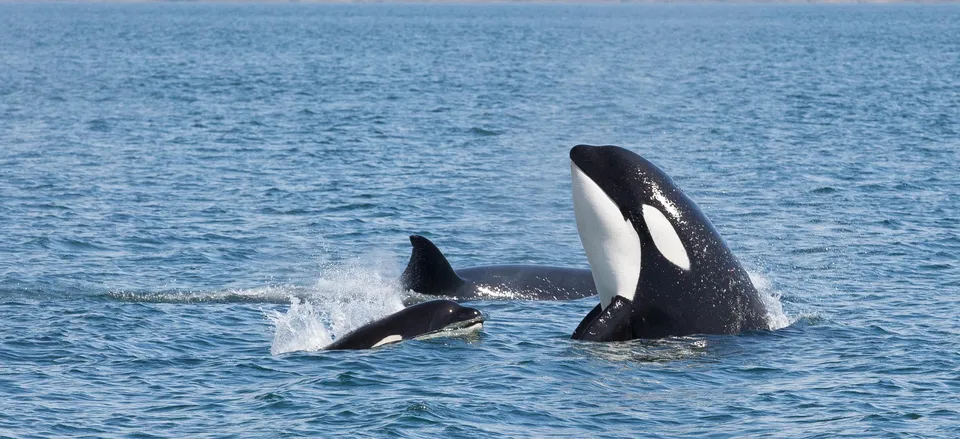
[268,294]
[664,350]
[824,190]
[76,244]
[477,131]
[66,244]
[98,125]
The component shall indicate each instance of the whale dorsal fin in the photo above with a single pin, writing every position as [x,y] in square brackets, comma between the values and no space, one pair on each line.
[428,271]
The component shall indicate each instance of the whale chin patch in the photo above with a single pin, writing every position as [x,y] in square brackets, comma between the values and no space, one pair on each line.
[610,241]
[665,237]
[388,340]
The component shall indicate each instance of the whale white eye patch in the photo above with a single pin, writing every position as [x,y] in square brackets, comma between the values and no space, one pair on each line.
[665,237]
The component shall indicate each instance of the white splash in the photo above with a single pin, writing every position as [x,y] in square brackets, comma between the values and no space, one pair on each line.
[345,297]
[771,301]
[300,329]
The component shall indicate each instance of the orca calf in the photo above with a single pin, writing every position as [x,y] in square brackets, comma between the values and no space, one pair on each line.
[660,267]
[422,319]
[429,272]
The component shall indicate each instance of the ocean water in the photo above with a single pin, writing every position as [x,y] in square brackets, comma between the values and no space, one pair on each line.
[195,198]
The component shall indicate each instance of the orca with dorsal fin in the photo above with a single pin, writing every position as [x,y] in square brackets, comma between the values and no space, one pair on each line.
[429,272]
[659,265]
[432,318]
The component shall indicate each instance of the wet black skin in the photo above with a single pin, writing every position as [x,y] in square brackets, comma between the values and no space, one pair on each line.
[410,322]
[715,296]
[429,272]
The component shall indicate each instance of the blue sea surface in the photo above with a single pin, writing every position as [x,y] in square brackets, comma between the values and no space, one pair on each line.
[195,198]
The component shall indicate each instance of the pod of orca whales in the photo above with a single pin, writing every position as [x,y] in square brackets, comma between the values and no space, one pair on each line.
[657,265]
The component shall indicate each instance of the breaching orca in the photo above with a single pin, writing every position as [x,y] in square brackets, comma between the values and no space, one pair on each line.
[429,272]
[659,265]
[422,319]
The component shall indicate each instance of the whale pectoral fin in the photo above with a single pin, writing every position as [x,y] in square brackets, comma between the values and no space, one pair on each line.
[428,271]
[614,323]
[577,333]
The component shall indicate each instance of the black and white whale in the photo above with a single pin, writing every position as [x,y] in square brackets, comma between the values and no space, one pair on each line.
[429,272]
[417,321]
[660,267]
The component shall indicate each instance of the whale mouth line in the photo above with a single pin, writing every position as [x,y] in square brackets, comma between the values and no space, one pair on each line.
[473,327]
[464,324]
[461,328]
